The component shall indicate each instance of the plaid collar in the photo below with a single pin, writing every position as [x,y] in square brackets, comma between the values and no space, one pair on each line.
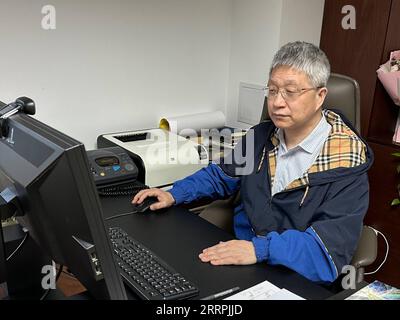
[311,142]
[342,149]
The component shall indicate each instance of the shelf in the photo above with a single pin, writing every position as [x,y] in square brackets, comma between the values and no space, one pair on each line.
[383,141]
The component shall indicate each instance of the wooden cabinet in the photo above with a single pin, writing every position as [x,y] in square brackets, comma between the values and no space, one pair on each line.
[358,53]
[383,180]
[382,120]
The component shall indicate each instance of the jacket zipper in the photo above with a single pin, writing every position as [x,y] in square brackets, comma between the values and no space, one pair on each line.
[258,170]
[270,186]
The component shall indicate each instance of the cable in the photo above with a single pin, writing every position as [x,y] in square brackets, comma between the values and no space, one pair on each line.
[19,246]
[46,293]
[120,215]
[386,255]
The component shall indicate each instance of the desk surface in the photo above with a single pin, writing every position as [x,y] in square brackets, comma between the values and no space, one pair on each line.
[178,236]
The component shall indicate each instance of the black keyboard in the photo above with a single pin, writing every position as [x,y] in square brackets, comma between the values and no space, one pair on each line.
[145,273]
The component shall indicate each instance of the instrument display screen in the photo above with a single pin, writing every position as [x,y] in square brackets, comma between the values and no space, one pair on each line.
[107,161]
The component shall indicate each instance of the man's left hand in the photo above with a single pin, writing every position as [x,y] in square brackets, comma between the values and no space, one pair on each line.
[239,252]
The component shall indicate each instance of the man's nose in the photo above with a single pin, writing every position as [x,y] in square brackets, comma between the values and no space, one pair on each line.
[279,101]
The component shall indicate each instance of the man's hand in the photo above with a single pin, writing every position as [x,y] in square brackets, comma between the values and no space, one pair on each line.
[165,199]
[231,252]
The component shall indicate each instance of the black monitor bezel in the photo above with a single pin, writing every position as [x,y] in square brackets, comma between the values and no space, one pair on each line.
[72,151]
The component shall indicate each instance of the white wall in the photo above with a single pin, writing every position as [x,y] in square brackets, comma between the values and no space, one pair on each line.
[301,20]
[115,65]
[259,28]
[254,40]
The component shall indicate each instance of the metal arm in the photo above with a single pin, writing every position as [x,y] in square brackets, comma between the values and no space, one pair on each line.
[23,104]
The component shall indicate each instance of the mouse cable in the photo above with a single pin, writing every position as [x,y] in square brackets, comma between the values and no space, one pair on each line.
[120,215]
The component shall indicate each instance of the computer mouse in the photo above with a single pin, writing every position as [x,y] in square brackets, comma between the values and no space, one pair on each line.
[145,205]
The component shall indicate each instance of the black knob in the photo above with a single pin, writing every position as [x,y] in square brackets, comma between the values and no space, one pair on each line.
[26,104]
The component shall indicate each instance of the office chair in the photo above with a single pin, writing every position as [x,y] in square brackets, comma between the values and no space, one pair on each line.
[343,95]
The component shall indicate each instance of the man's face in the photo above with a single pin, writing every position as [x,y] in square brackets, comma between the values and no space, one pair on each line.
[301,107]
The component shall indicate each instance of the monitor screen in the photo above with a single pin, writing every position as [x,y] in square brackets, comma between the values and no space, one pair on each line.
[49,173]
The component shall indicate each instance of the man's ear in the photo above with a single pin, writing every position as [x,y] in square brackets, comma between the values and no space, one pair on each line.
[321,95]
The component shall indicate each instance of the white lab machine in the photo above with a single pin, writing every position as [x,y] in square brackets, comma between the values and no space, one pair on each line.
[166,156]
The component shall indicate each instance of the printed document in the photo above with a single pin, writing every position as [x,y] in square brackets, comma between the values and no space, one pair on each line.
[265,291]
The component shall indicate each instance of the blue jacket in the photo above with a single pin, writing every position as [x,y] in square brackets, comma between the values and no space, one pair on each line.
[313,226]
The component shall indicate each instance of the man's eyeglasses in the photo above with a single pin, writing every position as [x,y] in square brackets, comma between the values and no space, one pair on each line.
[289,94]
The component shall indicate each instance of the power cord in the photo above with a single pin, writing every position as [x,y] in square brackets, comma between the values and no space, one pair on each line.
[387,251]
[60,270]
[20,244]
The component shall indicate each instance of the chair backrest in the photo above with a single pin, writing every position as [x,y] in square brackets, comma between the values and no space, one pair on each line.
[343,94]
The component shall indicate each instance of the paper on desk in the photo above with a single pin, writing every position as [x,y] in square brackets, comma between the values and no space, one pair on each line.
[284,294]
[265,291]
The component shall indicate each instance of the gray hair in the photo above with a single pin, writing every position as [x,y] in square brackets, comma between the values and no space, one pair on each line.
[304,57]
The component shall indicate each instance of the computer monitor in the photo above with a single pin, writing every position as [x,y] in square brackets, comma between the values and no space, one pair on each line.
[3,269]
[58,203]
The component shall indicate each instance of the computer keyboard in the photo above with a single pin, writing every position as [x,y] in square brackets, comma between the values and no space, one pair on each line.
[146,273]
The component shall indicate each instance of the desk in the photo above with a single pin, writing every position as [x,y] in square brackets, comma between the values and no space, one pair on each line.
[347,293]
[178,236]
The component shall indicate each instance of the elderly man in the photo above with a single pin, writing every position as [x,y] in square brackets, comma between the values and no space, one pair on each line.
[303,204]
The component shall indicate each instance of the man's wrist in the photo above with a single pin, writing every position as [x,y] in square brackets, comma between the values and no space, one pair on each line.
[261,247]
[172,198]
[177,194]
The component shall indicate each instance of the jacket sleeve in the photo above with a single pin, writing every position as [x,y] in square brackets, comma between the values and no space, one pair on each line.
[218,181]
[209,182]
[320,252]
[345,210]
[300,251]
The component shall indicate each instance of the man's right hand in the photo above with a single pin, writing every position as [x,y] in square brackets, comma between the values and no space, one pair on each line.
[165,199]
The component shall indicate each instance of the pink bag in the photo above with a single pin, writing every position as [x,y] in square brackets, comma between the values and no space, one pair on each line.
[389,75]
